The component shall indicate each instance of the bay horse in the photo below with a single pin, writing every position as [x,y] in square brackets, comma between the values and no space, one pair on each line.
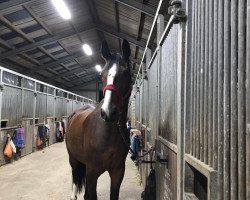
[97,139]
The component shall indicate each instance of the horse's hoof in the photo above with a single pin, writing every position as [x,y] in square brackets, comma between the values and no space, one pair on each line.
[73,198]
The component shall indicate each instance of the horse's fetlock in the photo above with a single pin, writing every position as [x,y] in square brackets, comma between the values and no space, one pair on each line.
[73,198]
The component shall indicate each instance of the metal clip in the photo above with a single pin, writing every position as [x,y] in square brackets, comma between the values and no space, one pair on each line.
[161,160]
[1,87]
[176,10]
[145,76]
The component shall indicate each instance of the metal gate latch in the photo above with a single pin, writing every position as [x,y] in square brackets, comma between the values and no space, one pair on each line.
[162,160]
[177,11]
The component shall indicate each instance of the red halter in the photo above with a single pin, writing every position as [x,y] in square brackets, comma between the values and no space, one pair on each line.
[117,92]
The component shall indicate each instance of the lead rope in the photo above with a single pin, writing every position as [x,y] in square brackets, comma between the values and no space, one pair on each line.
[128,145]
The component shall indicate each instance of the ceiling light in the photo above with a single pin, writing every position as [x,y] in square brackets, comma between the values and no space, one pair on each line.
[98,68]
[62,8]
[86,48]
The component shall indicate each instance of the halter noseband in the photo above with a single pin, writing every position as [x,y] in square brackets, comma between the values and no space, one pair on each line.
[117,92]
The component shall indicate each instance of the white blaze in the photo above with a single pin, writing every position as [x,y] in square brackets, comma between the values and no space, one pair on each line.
[110,80]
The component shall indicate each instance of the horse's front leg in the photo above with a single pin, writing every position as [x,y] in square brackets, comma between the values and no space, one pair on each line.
[91,182]
[116,176]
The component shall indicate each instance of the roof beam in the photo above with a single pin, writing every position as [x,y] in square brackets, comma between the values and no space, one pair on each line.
[37,18]
[12,27]
[117,34]
[81,69]
[55,63]
[95,17]
[139,6]
[63,35]
[116,10]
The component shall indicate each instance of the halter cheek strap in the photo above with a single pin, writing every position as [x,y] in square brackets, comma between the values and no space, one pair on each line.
[116,91]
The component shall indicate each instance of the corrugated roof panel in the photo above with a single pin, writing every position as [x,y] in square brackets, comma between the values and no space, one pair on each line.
[58,68]
[33,51]
[23,62]
[26,24]
[45,59]
[106,12]
[15,40]
[17,16]
[129,20]
[41,57]
[61,55]
[1,1]
[112,42]
[68,63]
[148,22]
[45,73]
[37,34]
[75,67]
[9,35]
[21,44]
[51,45]
[32,28]
[54,49]
[4,29]
[61,50]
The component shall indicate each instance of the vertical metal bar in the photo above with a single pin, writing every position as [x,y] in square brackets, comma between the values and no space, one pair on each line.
[195,79]
[54,106]
[188,78]
[248,104]
[192,53]
[180,105]
[210,84]
[215,87]
[198,82]
[160,30]
[175,59]
[201,85]
[34,118]
[226,102]
[22,96]
[242,99]
[233,99]
[220,98]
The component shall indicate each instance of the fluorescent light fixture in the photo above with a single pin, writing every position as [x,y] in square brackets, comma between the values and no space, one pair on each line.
[62,9]
[98,68]
[86,48]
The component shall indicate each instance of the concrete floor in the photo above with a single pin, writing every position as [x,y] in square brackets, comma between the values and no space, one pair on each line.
[46,175]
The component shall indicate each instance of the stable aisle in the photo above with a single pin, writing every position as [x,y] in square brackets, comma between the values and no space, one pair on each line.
[46,175]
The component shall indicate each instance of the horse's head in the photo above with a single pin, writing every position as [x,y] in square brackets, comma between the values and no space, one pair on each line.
[116,79]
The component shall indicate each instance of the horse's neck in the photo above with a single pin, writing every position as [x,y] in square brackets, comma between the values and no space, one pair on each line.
[123,115]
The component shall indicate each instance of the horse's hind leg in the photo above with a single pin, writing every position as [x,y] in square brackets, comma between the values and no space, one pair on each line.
[116,176]
[78,176]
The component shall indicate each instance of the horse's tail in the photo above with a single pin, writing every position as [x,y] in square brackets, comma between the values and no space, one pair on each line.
[79,175]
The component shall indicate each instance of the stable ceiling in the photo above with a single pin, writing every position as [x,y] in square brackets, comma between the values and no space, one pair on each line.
[36,41]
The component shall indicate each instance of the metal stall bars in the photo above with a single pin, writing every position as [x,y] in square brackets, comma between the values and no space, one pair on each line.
[212,111]
[224,155]
[29,102]
[161,107]
[248,102]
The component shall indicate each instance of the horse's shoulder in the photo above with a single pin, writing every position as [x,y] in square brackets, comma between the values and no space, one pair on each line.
[85,109]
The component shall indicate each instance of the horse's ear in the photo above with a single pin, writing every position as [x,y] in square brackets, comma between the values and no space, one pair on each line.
[125,50]
[105,50]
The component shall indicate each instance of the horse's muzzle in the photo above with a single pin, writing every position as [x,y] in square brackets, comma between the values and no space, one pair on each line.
[110,116]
